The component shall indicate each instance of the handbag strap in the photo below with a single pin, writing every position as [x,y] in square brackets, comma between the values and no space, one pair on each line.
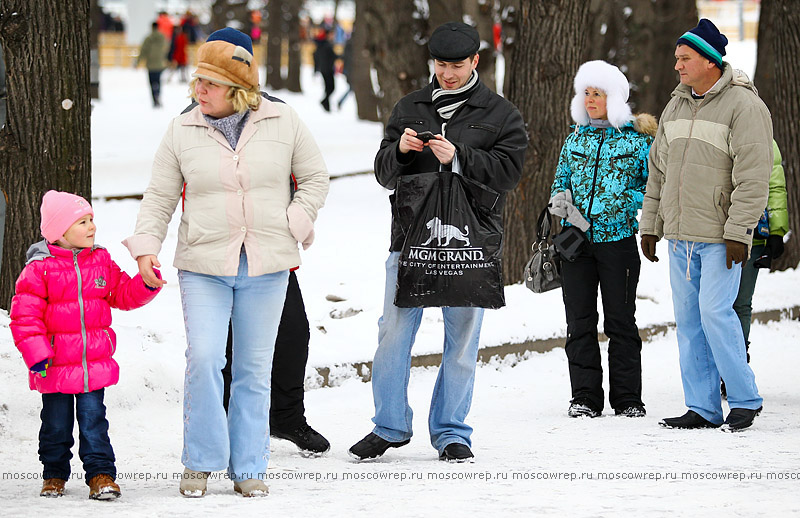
[544,225]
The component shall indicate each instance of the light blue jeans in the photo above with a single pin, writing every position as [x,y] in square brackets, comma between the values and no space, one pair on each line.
[710,339]
[238,441]
[391,368]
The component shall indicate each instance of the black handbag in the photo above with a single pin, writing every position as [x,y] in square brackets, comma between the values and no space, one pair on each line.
[543,271]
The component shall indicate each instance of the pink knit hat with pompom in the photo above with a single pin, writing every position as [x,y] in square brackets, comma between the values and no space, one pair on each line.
[59,211]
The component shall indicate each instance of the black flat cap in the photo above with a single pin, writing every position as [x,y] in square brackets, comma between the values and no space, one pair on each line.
[454,41]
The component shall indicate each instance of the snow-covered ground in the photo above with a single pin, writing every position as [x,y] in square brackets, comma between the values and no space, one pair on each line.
[531,459]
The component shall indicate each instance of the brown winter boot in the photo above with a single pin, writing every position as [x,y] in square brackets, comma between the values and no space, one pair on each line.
[53,487]
[103,487]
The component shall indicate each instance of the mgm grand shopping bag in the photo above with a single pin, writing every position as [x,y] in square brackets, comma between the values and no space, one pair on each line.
[453,238]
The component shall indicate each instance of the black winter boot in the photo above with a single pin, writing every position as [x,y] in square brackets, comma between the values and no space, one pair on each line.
[689,420]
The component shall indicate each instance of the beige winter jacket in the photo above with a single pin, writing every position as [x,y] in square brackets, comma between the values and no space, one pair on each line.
[234,196]
[710,163]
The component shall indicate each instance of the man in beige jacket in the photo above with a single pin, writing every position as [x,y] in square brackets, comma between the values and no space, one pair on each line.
[709,175]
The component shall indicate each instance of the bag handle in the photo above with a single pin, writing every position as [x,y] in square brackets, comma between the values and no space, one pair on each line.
[544,225]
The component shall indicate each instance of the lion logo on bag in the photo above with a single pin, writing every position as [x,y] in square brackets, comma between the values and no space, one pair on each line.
[446,233]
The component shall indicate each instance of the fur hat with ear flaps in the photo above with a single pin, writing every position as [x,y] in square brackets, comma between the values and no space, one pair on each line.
[227,58]
[608,78]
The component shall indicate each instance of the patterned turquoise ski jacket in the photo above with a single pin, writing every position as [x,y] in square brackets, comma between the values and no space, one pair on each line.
[606,170]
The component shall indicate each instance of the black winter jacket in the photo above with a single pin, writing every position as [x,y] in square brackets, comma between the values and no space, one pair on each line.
[487,131]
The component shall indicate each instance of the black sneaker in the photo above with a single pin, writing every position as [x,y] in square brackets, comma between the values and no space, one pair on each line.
[722,390]
[582,407]
[372,447]
[307,440]
[689,420]
[631,411]
[739,419]
[457,452]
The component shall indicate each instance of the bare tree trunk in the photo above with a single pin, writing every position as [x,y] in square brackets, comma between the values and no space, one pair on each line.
[443,11]
[292,82]
[509,12]
[764,78]
[781,30]
[639,37]
[96,19]
[482,13]
[274,44]
[401,62]
[46,141]
[233,13]
[549,48]
[361,67]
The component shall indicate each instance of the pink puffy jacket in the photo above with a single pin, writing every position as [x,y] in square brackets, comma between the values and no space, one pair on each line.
[62,311]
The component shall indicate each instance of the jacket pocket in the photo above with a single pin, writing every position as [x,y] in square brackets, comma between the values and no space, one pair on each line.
[484,127]
[417,124]
[112,345]
[722,203]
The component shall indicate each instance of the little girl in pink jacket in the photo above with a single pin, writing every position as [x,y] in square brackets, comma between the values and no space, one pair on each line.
[61,323]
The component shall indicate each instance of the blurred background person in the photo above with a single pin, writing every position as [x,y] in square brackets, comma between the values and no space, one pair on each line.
[153,53]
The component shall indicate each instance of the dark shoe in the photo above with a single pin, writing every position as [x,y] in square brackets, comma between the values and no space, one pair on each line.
[739,419]
[372,447]
[53,487]
[722,391]
[457,452]
[581,407]
[308,440]
[631,411]
[103,487]
[690,419]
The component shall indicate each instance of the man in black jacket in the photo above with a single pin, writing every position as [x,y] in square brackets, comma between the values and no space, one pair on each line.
[482,136]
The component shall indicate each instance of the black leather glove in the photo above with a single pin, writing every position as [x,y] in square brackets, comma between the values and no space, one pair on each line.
[735,252]
[775,245]
[649,247]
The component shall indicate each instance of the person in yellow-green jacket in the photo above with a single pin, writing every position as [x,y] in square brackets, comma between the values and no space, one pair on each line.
[767,243]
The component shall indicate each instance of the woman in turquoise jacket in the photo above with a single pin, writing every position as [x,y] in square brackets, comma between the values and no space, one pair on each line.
[602,170]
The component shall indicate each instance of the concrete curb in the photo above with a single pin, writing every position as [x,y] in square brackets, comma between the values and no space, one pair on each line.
[331,376]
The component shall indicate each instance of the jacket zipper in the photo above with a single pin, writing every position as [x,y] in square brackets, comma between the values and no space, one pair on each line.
[113,347]
[695,109]
[83,320]
[594,184]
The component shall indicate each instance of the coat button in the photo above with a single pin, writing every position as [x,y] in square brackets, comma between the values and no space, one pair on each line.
[239,192]
[244,229]
[235,157]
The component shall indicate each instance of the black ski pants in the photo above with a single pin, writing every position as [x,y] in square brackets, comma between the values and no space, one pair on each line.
[615,267]
[286,411]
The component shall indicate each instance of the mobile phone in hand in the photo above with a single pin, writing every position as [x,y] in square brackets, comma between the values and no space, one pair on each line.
[425,136]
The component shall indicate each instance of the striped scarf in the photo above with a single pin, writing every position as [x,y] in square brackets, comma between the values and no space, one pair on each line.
[447,102]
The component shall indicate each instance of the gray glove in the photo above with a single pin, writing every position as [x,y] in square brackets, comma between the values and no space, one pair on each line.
[561,206]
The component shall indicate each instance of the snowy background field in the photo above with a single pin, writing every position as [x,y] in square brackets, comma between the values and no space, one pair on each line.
[531,459]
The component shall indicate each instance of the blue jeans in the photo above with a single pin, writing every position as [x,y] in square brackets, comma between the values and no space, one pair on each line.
[391,368]
[710,339]
[55,437]
[238,441]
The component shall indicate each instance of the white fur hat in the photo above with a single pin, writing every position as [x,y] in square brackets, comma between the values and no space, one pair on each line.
[608,78]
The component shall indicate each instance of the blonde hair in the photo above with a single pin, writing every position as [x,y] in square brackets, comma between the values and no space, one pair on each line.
[241,99]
